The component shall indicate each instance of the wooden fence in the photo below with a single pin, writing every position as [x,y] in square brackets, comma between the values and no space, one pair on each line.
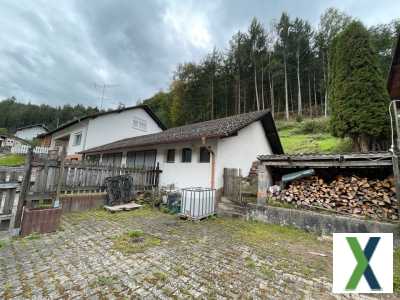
[10,180]
[41,180]
[232,184]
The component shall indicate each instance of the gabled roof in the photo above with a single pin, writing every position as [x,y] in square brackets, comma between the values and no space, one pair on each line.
[394,73]
[224,127]
[117,111]
[33,125]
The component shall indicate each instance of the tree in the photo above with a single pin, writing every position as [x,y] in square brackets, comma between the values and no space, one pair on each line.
[332,22]
[177,113]
[358,94]
[283,29]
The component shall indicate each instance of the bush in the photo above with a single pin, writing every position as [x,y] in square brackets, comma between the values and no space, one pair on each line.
[313,126]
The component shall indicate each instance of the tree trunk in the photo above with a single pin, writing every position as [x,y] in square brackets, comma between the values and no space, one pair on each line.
[324,70]
[309,95]
[271,90]
[255,85]
[315,97]
[262,88]
[286,90]
[299,100]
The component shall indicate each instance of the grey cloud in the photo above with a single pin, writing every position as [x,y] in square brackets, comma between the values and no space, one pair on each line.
[54,51]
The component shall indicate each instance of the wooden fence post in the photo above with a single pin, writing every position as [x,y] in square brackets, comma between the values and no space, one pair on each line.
[264,182]
[24,188]
[60,177]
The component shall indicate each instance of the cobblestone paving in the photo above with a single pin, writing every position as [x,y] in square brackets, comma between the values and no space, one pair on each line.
[213,259]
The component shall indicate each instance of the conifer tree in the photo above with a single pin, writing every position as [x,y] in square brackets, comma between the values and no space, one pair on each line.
[359,97]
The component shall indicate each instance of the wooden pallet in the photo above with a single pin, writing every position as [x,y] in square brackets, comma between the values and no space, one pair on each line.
[122,207]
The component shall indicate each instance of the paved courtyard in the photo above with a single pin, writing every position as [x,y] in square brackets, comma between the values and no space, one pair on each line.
[96,255]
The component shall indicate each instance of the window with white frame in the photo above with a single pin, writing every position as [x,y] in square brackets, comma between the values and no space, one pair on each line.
[139,124]
[77,139]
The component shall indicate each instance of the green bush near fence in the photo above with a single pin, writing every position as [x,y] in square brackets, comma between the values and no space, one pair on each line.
[12,160]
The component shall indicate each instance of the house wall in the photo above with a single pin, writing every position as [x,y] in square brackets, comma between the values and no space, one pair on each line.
[68,133]
[238,151]
[117,126]
[30,133]
[181,175]
[241,151]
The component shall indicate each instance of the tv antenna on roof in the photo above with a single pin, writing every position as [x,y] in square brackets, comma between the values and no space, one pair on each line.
[103,88]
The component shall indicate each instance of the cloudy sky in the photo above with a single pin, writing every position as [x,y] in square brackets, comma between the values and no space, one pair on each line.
[56,51]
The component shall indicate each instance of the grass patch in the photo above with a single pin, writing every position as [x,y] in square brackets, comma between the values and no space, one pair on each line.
[156,277]
[105,280]
[310,136]
[130,242]
[250,263]
[3,244]
[101,214]
[33,236]
[396,271]
[267,272]
[12,160]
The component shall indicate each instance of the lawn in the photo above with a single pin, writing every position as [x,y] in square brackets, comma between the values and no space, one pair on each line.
[310,136]
[12,160]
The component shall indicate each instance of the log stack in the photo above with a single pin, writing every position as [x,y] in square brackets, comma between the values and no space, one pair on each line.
[349,195]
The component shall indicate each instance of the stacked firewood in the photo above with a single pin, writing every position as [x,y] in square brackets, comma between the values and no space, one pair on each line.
[350,195]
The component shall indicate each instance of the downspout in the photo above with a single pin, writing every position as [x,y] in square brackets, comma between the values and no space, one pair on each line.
[203,141]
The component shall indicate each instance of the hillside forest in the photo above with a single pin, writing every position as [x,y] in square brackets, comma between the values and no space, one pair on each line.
[288,66]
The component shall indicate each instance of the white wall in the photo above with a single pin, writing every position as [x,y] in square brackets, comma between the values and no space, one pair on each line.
[117,126]
[69,132]
[238,151]
[194,174]
[241,150]
[30,133]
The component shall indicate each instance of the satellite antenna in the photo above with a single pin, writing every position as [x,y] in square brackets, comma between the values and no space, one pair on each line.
[103,88]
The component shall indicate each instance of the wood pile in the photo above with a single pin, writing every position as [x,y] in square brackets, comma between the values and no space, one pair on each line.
[349,195]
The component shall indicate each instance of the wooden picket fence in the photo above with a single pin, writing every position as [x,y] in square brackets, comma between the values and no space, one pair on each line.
[41,181]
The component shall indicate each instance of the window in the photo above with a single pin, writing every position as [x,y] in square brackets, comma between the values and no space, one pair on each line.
[204,155]
[112,159]
[77,139]
[171,155]
[94,158]
[141,159]
[139,124]
[186,155]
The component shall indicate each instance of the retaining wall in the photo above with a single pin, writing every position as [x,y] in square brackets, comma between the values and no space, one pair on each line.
[308,220]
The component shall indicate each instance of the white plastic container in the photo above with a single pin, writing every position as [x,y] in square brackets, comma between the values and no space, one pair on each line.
[197,203]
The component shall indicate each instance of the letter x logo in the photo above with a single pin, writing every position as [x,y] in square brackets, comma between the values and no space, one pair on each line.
[363,267]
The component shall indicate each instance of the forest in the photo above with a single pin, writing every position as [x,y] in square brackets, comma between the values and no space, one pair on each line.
[284,66]
[14,114]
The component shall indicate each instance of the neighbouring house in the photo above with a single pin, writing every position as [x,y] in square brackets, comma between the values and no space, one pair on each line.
[394,73]
[195,155]
[102,128]
[8,140]
[30,132]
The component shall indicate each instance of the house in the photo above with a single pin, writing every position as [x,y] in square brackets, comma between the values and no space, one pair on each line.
[103,128]
[30,132]
[394,73]
[8,140]
[195,155]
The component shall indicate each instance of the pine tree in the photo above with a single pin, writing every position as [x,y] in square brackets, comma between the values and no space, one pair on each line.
[357,90]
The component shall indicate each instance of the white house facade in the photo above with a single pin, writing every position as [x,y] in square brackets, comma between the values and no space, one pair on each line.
[195,155]
[102,128]
[30,132]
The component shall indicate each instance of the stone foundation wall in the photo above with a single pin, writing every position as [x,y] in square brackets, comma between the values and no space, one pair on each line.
[308,220]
